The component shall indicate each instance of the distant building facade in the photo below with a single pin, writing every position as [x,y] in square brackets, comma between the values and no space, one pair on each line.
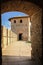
[21,27]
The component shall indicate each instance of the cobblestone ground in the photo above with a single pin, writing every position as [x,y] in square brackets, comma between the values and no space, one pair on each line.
[17,53]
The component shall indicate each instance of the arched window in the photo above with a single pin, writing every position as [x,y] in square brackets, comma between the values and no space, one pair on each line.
[14,21]
[20,21]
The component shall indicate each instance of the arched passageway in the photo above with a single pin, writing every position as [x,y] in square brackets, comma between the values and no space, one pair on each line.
[35,16]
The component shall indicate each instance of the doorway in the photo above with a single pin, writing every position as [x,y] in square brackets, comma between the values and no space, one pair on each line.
[20,36]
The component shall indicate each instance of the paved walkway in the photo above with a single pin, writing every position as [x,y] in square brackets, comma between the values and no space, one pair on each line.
[20,48]
[17,53]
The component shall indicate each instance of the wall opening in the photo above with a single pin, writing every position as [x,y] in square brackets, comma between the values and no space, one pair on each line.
[16,37]
[20,36]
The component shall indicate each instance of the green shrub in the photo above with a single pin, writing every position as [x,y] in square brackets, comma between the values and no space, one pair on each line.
[28,41]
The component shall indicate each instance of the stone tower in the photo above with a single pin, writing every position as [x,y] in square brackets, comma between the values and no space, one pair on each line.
[21,27]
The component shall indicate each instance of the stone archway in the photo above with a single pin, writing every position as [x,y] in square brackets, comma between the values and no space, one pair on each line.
[35,14]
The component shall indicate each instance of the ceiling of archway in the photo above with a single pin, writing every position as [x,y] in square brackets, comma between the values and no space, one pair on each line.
[23,6]
[38,2]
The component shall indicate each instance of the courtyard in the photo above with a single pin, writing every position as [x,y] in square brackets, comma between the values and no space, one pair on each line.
[18,53]
[18,48]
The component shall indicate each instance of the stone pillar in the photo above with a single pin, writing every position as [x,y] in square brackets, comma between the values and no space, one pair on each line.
[29,30]
[36,35]
[9,37]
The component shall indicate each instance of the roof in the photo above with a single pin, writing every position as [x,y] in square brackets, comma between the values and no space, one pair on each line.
[18,17]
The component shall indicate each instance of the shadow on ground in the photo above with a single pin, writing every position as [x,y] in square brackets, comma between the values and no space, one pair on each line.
[18,60]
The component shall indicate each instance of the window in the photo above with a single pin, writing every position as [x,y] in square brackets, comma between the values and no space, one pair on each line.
[20,21]
[14,21]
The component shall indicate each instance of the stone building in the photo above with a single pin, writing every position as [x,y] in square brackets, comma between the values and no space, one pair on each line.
[21,27]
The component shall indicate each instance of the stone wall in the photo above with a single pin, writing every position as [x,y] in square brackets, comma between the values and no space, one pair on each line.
[36,35]
[3,37]
[18,28]
[7,37]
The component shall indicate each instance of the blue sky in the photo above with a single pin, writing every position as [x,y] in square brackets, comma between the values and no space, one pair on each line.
[7,15]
